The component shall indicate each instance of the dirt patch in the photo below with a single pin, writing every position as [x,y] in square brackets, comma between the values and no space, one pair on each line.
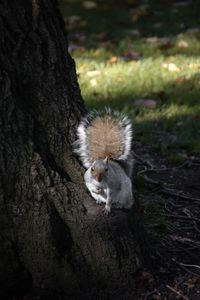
[170,196]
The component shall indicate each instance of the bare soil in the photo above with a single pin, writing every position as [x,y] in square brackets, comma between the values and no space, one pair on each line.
[170,195]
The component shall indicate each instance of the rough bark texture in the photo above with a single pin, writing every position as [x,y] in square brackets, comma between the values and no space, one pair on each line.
[52,235]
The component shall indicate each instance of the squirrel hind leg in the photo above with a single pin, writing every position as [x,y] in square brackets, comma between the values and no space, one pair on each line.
[127,166]
[129,203]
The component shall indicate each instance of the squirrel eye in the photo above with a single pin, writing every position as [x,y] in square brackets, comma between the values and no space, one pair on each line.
[106,169]
[92,169]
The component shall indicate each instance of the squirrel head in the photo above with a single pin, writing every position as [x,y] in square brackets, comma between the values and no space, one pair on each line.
[99,168]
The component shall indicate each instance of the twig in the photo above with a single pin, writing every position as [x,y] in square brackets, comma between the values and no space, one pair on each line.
[150,293]
[168,191]
[176,292]
[181,217]
[145,162]
[186,269]
[152,181]
[190,272]
[168,169]
[187,265]
[178,194]
[195,226]
[152,167]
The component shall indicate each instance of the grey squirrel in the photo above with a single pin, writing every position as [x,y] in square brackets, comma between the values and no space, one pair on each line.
[104,146]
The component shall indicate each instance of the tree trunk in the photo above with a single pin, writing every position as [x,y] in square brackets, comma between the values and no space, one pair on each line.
[52,234]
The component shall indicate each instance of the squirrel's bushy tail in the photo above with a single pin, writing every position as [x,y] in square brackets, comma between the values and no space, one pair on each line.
[103,134]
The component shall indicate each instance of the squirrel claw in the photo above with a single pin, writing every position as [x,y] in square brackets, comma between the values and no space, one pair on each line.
[99,202]
[106,210]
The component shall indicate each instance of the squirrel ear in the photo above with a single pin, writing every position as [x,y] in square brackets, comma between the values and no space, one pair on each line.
[106,160]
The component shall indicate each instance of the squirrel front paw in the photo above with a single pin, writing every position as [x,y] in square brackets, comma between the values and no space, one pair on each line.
[99,201]
[107,210]
[97,191]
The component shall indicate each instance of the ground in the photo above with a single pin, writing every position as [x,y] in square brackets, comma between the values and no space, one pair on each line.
[143,58]
[170,197]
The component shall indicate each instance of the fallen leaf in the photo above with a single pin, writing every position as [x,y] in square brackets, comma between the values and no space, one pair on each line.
[89,4]
[112,60]
[156,297]
[100,36]
[157,41]
[73,19]
[182,3]
[148,103]
[73,47]
[72,22]
[131,55]
[190,285]
[193,30]
[146,276]
[152,40]
[133,32]
[180,79]
[93,73]
[135,14]
[183,44]
[93,82]
[194,66]
[166,46]
[157,25]
[82,24]
[77,38]
[171,67]
[161,94]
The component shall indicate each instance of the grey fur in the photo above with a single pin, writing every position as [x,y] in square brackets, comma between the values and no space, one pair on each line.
[109,181]
[114,189]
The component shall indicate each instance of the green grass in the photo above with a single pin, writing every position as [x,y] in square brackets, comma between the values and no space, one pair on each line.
[148,49]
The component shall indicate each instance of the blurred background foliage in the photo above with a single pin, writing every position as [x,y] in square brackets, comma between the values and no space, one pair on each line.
[143,58]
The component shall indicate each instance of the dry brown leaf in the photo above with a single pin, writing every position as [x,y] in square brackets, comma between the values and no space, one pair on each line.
[146,276]
[157,41]
[71,22]
[135,14]
[190,285]
[73,47]
[166,46]
[89,4]
[148,103]
[131,55]
[183,44]
[100,36]
[82,24]
[193,30]
[180,79]
[112,60]
[194,279]
[161,94]
[132,32]
[156,297]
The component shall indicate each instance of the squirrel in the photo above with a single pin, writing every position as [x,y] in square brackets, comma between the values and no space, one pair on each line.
[104,146]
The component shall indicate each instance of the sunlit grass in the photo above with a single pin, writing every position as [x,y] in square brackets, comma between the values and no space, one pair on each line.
[165,67]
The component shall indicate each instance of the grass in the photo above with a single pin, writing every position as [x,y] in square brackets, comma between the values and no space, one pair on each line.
[144,50]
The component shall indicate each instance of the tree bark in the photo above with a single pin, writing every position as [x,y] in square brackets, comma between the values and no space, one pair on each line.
[52,235]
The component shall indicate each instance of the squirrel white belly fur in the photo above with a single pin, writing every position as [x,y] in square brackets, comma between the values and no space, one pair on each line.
[104,145]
